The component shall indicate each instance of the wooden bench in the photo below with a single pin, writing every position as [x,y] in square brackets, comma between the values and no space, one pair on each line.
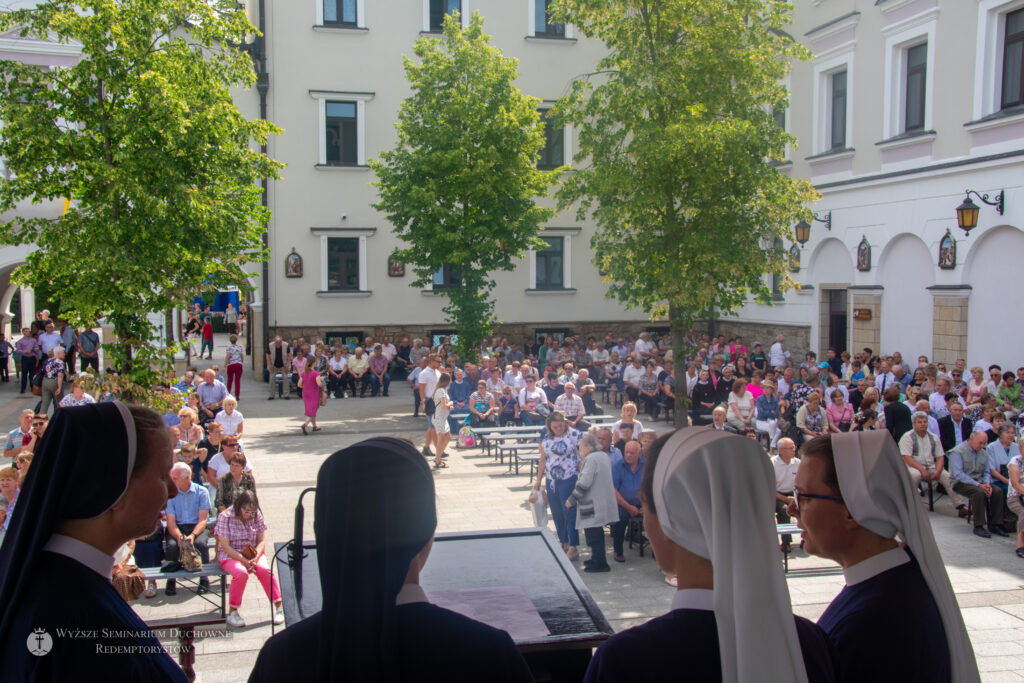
[520,451]
[191,581]
[601,420]
[186,627]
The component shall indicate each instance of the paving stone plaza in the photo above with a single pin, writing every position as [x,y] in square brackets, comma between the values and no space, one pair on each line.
[478,493]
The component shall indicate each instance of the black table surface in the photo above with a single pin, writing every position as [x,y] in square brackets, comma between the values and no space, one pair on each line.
[531,558]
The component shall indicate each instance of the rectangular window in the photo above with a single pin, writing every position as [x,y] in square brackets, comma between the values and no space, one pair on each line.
[439,8]
[342,264]
[838,110]
[543,26]
[553,154]
[341,12]
[780,118]
[446,276]
[549,264]
[341,131]
[917,63]
[1013,60]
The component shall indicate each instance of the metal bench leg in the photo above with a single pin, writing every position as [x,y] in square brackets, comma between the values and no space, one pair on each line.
[516,456]
[223,596]
[931,497]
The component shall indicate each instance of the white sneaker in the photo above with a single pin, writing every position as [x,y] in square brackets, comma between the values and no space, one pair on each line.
[235,619]
[279,615]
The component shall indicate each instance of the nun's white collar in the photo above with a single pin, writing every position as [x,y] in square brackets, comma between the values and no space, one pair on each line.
[875,565]
[82,553]
[694,598]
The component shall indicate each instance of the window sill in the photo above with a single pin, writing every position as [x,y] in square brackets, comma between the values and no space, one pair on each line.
[781,165]
[540,38]
[906,139]
[548,292]
[328,294]
[338,28]
[831,155]
[342,167]
[1006,117]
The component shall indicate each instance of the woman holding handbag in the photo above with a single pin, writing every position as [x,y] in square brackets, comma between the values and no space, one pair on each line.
[241,538]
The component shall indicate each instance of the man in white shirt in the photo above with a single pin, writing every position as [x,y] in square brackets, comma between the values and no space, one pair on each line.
[785,465]
[937,399]
[644,345]
[885,378]
[631,374]
[49,339]
[923,453]
[785,382]
[599,355]
[426,383]
[777,356]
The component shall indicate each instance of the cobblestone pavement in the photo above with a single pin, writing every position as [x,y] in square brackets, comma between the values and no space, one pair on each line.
[477,492]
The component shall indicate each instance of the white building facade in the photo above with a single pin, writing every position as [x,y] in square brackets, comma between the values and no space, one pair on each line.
[905,106]
[336,81]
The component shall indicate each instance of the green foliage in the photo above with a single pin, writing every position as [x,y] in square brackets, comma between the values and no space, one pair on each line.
[681,147]
[461,185]
[143,135]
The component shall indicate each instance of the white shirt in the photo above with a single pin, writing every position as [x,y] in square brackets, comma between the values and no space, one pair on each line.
[82,553]
[525,396]
[428,377]
[632,374]
[937,403]
[694,598]
[642,346]
[875,565]
[389,351]
[884,381]
[785,473]
[221,467]
[600,355]
[925,455]
[776,356]
[337,364]
[229,422]
[783,387]
[49,340]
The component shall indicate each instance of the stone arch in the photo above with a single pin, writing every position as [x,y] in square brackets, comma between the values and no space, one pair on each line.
[994,327]
[905,271]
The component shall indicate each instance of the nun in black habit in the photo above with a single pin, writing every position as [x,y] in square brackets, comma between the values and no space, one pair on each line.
[100,478]
[374,523]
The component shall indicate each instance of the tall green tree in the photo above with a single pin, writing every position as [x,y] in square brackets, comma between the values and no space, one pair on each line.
[681,153]
[143,135]
[461,185]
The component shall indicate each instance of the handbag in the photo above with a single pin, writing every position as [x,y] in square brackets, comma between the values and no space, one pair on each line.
[249,552]
[190,560]
[129,582]
[37,383]
[429,407]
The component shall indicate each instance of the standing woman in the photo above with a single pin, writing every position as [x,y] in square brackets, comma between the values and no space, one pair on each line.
[55,373]
[595,496]
[28,349]
[310,384]
[73,514]
[559,460]
[442,407]
[234,361]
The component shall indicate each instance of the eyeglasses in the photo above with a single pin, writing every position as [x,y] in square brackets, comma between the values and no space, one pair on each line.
[797,495]
[231,445]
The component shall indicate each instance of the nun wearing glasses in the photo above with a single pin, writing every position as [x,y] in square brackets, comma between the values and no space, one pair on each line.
[708,511]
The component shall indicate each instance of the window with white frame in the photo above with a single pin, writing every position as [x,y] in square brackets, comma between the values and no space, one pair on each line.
[540,25]
[341,128]
[837,101]
[341,13]
[343,260]
[999,58]
[833,97]
[434,12]
[542,22]
[553,153]
[909,75]
[1013,60]
[551,267]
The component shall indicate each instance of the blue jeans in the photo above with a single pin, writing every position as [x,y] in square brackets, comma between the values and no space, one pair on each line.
[565,520]
[375,384]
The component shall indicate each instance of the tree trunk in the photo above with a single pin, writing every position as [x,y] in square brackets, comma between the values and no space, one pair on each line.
[680,349]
